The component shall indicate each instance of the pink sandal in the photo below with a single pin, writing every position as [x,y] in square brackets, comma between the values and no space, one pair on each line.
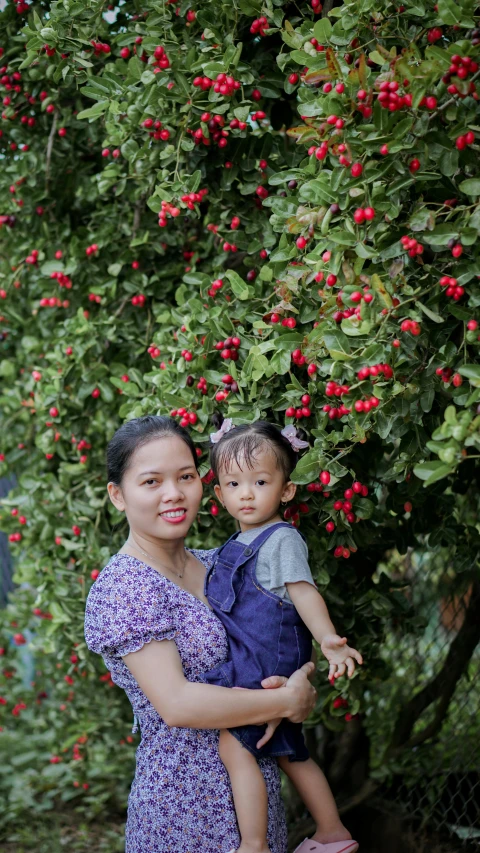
[311,846]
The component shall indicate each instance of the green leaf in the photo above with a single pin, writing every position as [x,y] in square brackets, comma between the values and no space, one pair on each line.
[433,316]
[322,30]
[471,372]
[94,112]
[451,13]
[239,287]
[337,344]
[470,187]
[307,469]
[430,472]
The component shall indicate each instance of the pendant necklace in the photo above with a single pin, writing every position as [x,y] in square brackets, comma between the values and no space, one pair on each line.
[155,559]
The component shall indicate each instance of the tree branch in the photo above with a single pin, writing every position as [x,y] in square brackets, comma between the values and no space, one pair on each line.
[49,150]
[442,687]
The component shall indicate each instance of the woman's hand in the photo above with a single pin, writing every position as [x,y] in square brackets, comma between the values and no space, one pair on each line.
[302,695]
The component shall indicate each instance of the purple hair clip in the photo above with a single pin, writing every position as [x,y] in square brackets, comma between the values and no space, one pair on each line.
[290,433]
[226,427]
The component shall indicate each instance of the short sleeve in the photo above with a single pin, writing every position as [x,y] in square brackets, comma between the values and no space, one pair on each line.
[126,609]
[288,559]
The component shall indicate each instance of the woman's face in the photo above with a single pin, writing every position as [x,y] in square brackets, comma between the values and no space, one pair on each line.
[161,489]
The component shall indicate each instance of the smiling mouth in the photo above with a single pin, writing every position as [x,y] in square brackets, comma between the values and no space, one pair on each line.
[173,513]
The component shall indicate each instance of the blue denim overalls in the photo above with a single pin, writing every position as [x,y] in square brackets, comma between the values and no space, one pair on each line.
[266,637]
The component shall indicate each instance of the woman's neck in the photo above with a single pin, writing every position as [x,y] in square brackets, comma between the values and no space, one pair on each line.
[169,552]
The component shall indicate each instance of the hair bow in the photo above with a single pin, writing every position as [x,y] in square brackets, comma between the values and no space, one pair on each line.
[226,427]
[290,433]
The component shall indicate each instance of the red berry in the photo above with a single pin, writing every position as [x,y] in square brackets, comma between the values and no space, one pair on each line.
[414,165]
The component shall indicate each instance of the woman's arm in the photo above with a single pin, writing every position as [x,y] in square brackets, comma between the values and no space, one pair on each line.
[157,668]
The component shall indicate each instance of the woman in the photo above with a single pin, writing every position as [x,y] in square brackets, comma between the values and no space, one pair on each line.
[148,617]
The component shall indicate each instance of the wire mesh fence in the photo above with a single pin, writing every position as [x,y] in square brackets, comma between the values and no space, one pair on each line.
[438,782]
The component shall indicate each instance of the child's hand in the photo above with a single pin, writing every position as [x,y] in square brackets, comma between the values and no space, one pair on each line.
[271,726]
[340,656]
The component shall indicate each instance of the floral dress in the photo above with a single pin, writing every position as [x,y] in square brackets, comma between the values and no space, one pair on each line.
[181,799]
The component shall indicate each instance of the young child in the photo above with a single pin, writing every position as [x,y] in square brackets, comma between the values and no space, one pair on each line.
[261,587]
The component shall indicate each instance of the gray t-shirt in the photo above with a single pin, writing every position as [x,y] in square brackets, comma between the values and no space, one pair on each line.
[282,559]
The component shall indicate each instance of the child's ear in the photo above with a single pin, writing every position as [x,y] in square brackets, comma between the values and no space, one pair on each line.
[289,491]
[116,496]
[218,492]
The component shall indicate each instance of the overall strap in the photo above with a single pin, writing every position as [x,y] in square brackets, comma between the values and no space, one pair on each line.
[262,537]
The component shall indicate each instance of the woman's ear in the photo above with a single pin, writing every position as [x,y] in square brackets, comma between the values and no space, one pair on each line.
[218,492]
[116,496]
[289,491]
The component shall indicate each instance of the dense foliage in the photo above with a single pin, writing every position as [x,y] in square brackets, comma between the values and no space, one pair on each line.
[260,208]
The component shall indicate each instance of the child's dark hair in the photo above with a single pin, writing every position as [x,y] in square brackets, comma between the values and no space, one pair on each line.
[242,444]
[134,434]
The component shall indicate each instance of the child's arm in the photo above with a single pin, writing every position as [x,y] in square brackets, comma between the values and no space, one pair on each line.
[313,611]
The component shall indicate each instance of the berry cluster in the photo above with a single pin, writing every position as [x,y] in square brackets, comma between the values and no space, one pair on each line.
[412,246]
[187,355]
[139,299]
[53,302]
[292,513]
[461,67]
[229,247]
[223,85]
[216,286]
[100,47]
[332,389]
[158,132]
[167,209]
[190,199]
[258,26]
[94,297]
[229,384]
[468,138]
[338,316]
[357,295]
[287,322]
[335,412]
[374,371]
[91,250]
[364,214]
[228,348]
[298,358]
[161,60]
[389,98]
[32,258]
[411,326]
[187,418]
[202,385]
[445,373]
[365,405]
[302,411]
[453,289]
[153,351]
[216,133]
[235,124]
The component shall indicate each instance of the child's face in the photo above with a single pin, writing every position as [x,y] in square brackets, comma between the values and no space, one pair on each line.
[253,495]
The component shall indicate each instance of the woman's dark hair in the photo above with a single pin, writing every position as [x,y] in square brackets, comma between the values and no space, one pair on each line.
[242,444]
[134,434]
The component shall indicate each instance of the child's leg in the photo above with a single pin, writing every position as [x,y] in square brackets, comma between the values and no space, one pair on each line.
[249,793]
[315,792]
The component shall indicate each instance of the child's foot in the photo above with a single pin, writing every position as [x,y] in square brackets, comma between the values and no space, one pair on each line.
[340,834]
